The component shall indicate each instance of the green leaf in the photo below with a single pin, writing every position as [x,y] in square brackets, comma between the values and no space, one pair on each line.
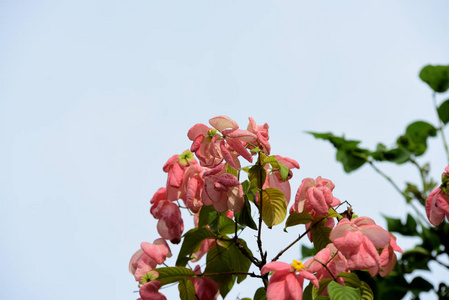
[219,260]
[307,294]
[225,225]
[298,218]
[350,279]
[437,77]
[407,229]
[307,252]
[367,293]
[239,262]
[173,274]
[260,294]
[191,242]
[415,138]
[284,171]
[232,171]
[443,112]
[323,283]
[348,153]
[204,215]
[321,237]
[274,208]
[416,258]
[186,290]
[397,155]
[339,292]
[254,176]
[244,217]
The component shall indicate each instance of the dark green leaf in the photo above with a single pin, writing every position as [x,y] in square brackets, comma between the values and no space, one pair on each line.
[255,174]
[307,252]
[437,77]
[397,155]
[307,294]
[321,237]
[219,260]
[186,290]
[173,274]
[260,294]
[407,229]
[443,112]
[191,242]
[239,262]
[419,285]
[204,215]
[416,258]
[244,217]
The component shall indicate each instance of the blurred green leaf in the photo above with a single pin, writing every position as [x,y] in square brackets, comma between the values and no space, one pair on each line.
[408,229]
[396,155]
[416,259]
[323,283]
[367,293]
[443,112]
[260,294]
[437,77]
[415,137]
[348,153]
[419,285]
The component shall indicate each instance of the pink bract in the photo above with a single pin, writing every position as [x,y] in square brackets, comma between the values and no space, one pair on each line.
[150,291]
[261,132]
[205,288]
[222,190]
[315,196]
[286,282]
[358,240]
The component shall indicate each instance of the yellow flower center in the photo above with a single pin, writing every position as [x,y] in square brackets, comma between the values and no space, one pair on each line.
[297,265]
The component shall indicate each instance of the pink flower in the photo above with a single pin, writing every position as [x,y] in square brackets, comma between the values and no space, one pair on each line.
[222,190]
[274,178]
[329,256]
[359,240]
[146,258]
[261,132]
[150,291]
[175,167]
[170,225]
[437,204]
[205,288]
[287,281]
[388,257]
[211,148]
[205,145]
[315,197]
[193,186]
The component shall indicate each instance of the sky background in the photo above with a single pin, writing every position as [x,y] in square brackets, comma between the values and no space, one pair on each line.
[95,96]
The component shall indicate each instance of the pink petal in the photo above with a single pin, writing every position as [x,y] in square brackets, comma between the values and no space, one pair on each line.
[276,266]
[150,291]
[238,147]
[197,130]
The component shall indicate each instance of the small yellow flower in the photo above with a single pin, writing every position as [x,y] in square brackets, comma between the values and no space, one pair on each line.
[297,265]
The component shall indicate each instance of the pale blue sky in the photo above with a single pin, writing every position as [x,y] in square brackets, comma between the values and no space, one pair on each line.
[95,96]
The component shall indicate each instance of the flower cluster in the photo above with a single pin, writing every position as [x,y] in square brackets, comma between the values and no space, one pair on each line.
[206,178]
[437,204]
